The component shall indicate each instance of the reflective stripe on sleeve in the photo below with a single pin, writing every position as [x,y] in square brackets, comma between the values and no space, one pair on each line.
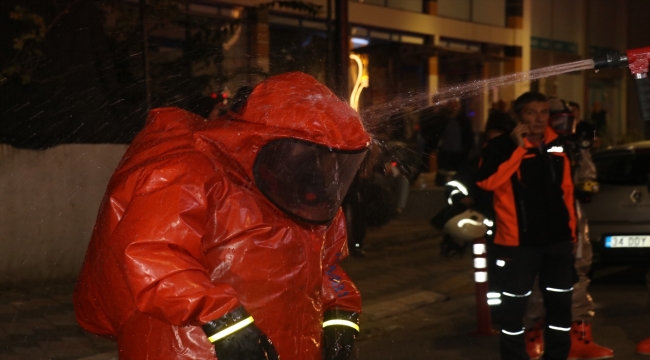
[450,201]
[341,322]
[231,329]
[458,186]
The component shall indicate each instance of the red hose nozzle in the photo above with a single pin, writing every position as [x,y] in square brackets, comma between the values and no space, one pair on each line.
[638,60]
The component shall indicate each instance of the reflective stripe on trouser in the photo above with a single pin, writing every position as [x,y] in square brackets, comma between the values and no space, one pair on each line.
[557,338]
[512,342]
[554,264]
[582,306]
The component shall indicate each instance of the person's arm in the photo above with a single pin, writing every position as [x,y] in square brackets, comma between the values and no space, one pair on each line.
[500,159]
[462,188]
[341,299]
[158,241]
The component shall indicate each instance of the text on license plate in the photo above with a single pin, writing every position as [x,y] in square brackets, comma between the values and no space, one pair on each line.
[627,241]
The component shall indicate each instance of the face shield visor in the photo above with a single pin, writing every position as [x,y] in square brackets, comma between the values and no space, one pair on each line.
[305,180]
[563,123]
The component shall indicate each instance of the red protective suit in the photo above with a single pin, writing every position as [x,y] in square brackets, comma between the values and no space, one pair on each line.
[184,235]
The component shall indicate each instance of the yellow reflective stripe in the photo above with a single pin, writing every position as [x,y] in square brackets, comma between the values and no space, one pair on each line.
[231,329]
[341,322]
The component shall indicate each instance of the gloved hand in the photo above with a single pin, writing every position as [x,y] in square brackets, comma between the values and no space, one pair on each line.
[235,337]
[340,328]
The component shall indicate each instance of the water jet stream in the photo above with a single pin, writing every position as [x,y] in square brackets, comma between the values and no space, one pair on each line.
[375,117]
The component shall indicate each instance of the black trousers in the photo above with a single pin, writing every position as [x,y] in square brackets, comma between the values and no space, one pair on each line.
[518,267]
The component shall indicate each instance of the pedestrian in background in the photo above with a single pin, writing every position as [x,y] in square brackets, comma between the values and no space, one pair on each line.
[585,130]
[377,195]
[431,123]
[599,119]
[530,177]
[456,141]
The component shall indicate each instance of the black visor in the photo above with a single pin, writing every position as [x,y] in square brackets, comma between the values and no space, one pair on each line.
[305,180]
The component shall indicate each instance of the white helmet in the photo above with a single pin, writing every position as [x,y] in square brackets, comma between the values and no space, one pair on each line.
[466,226]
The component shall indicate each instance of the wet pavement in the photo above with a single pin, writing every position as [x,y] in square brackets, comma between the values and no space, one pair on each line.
[37,322]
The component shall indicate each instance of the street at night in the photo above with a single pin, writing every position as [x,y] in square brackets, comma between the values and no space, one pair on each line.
[324,179]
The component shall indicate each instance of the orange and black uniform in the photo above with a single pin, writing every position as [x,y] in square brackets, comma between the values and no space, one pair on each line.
[535,219]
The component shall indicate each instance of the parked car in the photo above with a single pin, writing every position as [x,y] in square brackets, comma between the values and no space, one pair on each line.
[619,214]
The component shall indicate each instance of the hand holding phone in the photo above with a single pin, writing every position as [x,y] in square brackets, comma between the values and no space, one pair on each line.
[519,133]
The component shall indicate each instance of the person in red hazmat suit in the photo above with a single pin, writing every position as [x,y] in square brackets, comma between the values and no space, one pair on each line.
[222,238]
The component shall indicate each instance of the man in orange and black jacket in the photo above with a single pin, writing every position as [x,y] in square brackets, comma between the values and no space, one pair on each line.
[529,174]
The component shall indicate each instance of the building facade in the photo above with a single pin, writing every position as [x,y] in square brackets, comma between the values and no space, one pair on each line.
[422,46]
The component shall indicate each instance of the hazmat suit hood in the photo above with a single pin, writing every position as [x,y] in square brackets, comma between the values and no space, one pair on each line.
[297,142]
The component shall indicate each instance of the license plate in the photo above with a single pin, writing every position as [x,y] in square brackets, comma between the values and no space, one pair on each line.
[627,241]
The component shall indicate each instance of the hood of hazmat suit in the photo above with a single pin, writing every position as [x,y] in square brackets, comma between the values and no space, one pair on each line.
[204,217]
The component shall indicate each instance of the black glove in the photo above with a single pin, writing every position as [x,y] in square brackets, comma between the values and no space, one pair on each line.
[246,343]
[338,339]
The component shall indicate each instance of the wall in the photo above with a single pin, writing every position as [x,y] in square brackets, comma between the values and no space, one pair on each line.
[380,17]
[607,23]
[489,12]
[558,20]
[49,203]
[570,87]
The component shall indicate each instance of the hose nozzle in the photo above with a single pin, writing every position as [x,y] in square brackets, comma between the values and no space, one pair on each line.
[638,61]
[611,60]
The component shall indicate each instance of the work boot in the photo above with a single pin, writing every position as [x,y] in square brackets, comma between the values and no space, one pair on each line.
[535,341]
[583,345]
[644,347]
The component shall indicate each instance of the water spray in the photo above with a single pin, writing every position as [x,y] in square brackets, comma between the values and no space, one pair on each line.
[637,60]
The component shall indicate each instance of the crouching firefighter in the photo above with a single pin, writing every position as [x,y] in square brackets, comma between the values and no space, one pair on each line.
[222,238]
[530,178]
